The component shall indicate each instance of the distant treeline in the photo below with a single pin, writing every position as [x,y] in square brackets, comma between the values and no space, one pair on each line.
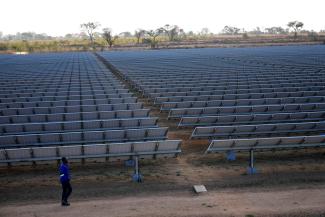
[167,36]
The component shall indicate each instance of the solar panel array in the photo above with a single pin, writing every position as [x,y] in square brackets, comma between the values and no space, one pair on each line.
[234,93]
[70,104]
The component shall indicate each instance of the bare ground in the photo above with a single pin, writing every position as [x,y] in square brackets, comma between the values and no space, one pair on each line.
[300,202]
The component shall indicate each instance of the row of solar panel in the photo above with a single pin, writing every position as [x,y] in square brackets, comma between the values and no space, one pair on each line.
[73,126]
[252,119]
[27,94]
[143,88]
[216,81]
[91,82]
[205,72]
[60,69]
[241,102]
[184,87]
[33,76]
[159,100]
[65,98]
[60,117]
[68,103]
[237,92]
[36,74]
[60,74]
[61,66]
[203,59]
[209,67]
[99,79]
[225,73]
[38,88]
[57,89]
[54,92]
[37,93]
[64,93]
[213,62]
[110,152]
[154,92]
[266,143]
[231,73]
[193,63]
[70,109]
[259,130]
[179,113]
[83,137]
[226,85]
[95,83]
[254,78]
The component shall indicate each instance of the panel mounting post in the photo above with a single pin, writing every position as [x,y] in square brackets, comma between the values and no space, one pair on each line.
[137,177]
[251,169]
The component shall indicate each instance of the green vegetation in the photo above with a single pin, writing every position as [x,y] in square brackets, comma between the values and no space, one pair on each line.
[163,37]
[296,26]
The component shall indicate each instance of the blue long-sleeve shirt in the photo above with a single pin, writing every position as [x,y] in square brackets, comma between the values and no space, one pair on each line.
[64,173]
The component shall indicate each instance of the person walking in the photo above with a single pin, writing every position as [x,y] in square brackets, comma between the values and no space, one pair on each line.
[65,182]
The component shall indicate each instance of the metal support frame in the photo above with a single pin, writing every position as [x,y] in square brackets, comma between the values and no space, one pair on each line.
[82,153]
[251,169]
[156,149]
[137,177]
[31,151]
[107,152]
[7,158]
[57,154]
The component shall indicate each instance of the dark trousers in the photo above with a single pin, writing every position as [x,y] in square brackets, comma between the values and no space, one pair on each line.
[66,191]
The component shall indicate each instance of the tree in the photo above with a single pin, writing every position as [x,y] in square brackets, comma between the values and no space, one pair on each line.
[153,34]
[230,30]
[276,30]
[256,31]
[204,31]
[125,34]
[90,28]
[171,30]
[190,33]
[139,33]
[108,36]
[181,34]
[296,26]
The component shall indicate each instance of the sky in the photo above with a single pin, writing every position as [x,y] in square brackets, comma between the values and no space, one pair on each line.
[59,17]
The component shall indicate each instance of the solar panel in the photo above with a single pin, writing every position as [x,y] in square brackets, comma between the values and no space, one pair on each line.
[266,143]
[112,151]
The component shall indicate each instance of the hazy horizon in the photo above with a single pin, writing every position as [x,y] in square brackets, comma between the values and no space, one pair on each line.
[58,18]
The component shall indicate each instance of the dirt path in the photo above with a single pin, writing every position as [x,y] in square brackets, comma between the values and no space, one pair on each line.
[297,202]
